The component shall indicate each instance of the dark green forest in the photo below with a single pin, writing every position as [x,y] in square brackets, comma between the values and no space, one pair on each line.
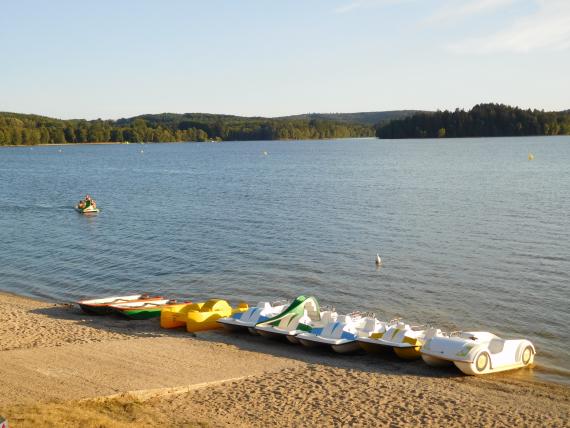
[24,129]
[483,120]
[365,118]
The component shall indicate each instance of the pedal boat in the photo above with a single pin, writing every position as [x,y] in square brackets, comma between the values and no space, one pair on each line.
[199,316]
[401,338]
[478,352]
[342,335]
[256,314]
[301,316]
[101,306]
[87,210]
[144,310]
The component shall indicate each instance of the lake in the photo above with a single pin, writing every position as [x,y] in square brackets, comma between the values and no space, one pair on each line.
[473,235]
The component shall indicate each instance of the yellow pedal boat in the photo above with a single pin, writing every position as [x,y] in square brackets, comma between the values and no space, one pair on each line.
[405,340]
[199,316]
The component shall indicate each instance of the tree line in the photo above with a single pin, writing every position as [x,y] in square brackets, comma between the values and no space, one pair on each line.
[23,129]
[483,120]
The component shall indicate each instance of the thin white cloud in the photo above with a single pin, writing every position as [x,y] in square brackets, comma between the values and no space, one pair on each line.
[458,9]
[357,4]
[546,29]
[348,7]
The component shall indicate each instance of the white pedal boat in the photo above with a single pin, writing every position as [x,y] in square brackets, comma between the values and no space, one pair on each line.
[289,318]
[294,324]
[102,305]
[478,352]
[248,319]
[342,335]
[401,338]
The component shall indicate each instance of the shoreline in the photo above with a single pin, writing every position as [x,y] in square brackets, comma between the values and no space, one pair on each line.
[541,373]
[185,142]
[104,371]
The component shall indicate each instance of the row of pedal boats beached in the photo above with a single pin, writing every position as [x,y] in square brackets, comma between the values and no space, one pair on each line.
[304,321]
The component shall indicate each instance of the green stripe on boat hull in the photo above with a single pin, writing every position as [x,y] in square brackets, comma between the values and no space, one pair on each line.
[140,314]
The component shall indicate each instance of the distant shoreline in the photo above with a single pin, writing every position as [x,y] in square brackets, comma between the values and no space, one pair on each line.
[182,142]
[109,143]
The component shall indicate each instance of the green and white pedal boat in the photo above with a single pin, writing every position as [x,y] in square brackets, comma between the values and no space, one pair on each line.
[302,315]
[144,310]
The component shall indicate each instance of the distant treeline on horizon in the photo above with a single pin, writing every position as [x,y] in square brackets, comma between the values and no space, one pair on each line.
[23,129]
[483,120]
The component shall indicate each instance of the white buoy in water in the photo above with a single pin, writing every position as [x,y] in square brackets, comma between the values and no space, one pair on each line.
[378,260]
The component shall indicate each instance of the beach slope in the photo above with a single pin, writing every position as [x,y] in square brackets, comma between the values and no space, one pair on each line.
[59,367]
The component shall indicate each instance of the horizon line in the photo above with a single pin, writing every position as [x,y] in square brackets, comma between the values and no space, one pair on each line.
[563,110]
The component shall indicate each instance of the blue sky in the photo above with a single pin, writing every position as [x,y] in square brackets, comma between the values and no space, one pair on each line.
[114,59]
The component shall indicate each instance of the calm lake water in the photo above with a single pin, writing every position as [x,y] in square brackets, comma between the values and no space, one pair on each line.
[472,234]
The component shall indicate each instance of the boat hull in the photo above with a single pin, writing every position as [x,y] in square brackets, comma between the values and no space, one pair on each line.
[470,369]
[347,348]
[237,327]
[436,362]
[312,343]
[95,310]
[233,327]
[374,348]
[139,314]
[274,335]
[87,211]
[339,345]
[408,353]
[104,306]
[292,339]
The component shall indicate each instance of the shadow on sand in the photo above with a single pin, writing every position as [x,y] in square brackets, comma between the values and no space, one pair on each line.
[382,363]
[109,323]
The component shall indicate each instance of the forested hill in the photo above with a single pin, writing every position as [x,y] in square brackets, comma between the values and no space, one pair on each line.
[365,118]
[23,129]
[483,120]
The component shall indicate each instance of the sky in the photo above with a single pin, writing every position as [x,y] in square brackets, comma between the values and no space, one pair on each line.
[112,59]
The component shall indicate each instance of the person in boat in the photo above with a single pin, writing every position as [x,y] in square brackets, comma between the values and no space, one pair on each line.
[81,204]
[88,201]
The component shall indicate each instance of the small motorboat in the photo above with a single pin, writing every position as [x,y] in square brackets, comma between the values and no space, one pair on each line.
[144,310]
[199,316]
[87,206]
[101,306]
[256,314]
[401,338]
[88,210]
[478,352]
[342,335]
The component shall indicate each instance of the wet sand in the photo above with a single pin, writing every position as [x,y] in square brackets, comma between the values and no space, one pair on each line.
[59,367]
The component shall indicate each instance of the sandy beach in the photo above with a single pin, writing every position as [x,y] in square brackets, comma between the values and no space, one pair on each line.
[60,367]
